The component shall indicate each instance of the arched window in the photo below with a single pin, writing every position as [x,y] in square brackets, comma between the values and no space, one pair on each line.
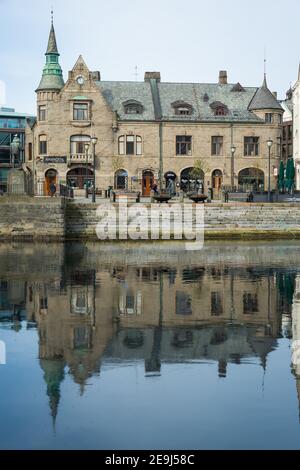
[80,177]
[78,144]
[43,145]
[121,179]
[130,145]
[252,179]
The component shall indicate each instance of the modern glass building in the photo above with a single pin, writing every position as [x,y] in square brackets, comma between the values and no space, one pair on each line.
[12,124]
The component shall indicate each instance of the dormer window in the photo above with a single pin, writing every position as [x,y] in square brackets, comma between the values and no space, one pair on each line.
[206,98]
[219,109]
[238,87]
[182,109]
[133,107]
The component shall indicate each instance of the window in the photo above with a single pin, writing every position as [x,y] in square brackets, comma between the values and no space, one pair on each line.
[269,118]
[251,145]
[181,108]
[250,302]
[80,112]
[183,304]
[284,133]
[217,145]
[220,111]
[42,113]
[78,144]
[82,337]
[280,118]
[130,145]
[290,150]
[290,132]
[183,111]
[30,151]
[219,108]
[133,107]
[138,145]
[122,145]
[183,145]
[284,152]
[216,304]
[43,303]
[43,145]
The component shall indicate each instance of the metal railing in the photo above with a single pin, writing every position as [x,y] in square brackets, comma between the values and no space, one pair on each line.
[80,158]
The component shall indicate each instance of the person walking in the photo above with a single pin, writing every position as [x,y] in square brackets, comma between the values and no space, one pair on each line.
[52,189]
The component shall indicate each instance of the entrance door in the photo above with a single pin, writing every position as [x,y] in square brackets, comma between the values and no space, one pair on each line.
[148,180]
[50,177]
[217,178]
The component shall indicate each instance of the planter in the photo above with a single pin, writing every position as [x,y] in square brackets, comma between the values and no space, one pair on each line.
[198,198]
[162,198]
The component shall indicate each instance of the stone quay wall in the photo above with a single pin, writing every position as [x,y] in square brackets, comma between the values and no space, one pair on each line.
[58,220]
[25,218]
[221,221]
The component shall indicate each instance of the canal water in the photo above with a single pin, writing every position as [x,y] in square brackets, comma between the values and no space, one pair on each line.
[150,346]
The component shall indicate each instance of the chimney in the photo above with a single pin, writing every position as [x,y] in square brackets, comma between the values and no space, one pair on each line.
[275,94]
[223,77]
[152,76]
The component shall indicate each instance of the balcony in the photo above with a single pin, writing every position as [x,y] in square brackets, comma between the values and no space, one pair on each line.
[80,158]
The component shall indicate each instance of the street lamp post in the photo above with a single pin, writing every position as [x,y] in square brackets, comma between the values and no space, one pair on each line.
[233,150]
[94,143]
[86,147]
[269,143]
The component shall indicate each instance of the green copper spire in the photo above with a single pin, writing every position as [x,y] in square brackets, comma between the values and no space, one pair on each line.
[52,78]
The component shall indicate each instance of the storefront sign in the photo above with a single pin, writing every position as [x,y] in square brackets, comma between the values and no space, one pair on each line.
[55,159]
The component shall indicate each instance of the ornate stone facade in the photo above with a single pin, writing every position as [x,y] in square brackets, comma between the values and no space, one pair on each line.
[150,132]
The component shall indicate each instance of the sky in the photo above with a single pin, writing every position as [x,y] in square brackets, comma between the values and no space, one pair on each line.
[186,40]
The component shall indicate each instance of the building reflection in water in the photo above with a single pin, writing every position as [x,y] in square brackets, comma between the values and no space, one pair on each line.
[119,314]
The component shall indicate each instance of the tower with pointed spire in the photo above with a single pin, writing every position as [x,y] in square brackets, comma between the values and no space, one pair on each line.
[264,100]
[52,78]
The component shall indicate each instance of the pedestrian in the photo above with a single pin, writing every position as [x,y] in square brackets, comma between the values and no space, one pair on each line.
[226,196]
[52,189]
[154,188]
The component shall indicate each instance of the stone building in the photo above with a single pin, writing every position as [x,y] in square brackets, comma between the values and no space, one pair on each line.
[296,128]
[287,127]
[150,132]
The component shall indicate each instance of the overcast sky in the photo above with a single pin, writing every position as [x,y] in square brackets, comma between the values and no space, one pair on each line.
[186,40]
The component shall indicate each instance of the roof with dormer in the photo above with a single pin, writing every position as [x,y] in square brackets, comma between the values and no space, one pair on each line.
[199,96]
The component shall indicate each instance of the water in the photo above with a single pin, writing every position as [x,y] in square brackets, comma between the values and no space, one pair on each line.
[149,346]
